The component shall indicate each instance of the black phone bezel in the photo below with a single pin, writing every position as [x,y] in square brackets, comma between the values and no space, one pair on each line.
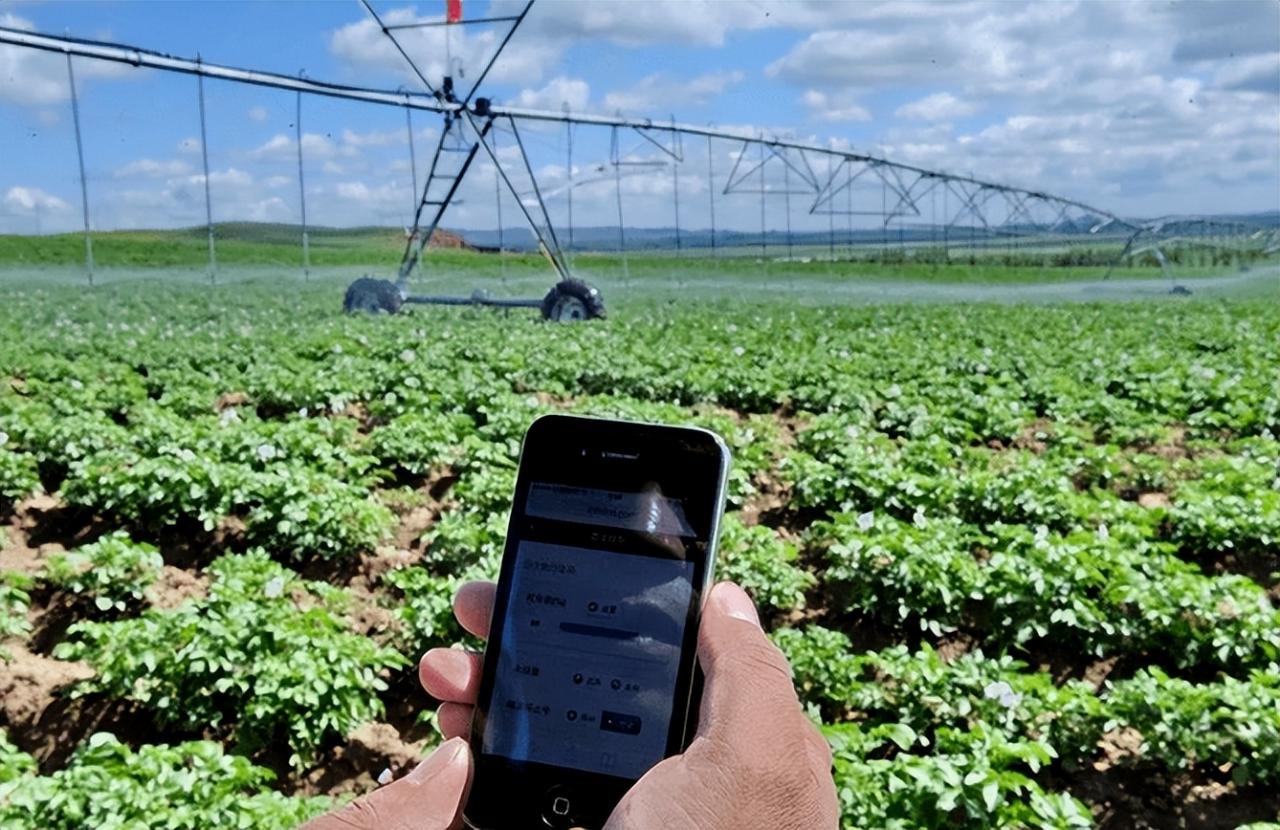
[686,463]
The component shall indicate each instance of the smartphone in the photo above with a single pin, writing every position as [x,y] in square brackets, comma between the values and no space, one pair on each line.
[589,672]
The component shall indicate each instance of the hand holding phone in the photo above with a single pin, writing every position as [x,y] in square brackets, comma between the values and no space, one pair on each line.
[756,762]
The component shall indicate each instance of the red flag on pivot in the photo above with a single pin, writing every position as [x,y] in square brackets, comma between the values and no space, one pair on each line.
[454,10]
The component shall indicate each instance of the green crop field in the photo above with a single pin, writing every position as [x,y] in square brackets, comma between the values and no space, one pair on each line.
[249,250]
[1023,558]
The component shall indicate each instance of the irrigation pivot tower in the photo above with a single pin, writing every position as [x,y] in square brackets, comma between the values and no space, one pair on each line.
[906,196]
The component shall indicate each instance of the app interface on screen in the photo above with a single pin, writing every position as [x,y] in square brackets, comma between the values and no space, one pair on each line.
[591,642]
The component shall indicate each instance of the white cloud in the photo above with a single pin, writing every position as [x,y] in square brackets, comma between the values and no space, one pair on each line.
[940,106]
[32,77]
[372,138]
[1254,73]
[258,114]
[231,177]
[153,169]
[558,92]
[32,199]
[822,108]
[272,209]
[661,89]
[281,147]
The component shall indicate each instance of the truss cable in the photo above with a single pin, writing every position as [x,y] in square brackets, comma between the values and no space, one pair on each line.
[786,204]
[537,192]
[848,202]
[617,189]
[413,159]
[568,170]
[497,191]
[675,194]
[764,233]
[302,193]
[400,48]
[84,187]
[503,45]
[208,201]
[711,195]
[831,218]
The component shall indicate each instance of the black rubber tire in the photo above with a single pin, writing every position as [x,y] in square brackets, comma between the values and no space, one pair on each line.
[572,300]
[372,296]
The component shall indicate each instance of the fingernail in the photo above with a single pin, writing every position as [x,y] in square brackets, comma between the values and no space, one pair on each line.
[734,601]
[445,756]
[453,663]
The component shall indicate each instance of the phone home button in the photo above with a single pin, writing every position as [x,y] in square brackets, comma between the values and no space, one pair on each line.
[558,808]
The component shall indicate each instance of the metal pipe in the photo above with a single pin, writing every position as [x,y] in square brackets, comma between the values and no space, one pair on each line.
[497,193]
[84,187]
[399,48]
[413,159]
[711,194]
[140,57]
[568,128]
[481,134]
[208,201]
[503,45]
[302,193]
[617,186]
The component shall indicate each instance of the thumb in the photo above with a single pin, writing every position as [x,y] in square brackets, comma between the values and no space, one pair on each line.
[748,681]
[430,797]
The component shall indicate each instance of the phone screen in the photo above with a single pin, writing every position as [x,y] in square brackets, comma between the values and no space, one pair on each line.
[589,670]
[592,637]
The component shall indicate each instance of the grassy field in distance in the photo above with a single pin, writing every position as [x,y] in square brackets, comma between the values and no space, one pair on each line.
[249,249]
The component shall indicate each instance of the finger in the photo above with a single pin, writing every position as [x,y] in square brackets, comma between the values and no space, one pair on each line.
[748,681]
[454,720]
[451,674]
[473,606]
[819,749]
[430,797]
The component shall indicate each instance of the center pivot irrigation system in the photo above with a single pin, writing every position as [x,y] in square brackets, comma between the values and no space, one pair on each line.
[834,181]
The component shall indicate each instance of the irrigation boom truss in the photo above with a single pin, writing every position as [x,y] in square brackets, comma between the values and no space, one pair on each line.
[823,173]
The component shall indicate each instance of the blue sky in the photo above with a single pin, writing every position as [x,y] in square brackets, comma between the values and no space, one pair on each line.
[1143,108]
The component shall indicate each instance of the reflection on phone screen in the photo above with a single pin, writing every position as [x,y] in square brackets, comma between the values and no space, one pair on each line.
[592,638]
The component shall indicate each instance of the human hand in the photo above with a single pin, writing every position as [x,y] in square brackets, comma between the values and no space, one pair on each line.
[428,798]
[756,761]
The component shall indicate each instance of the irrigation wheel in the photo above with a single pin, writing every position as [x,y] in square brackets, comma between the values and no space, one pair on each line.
[372,296]
[572,300]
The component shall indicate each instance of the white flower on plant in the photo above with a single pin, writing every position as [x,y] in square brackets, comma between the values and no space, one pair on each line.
[76,384]
[408,356]
[266,452]
[186,454]
[274,587]
[303,412]
[1103,533]
[337,348]
[866,520]
[1002,693]
[731,328]
[917,518]
[739,351]
[4,438]
[229,416]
